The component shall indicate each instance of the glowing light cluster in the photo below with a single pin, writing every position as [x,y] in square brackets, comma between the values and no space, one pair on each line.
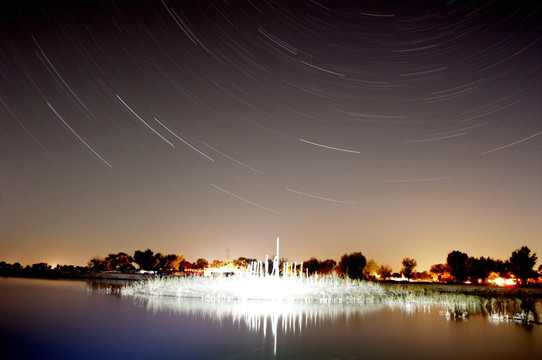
[290,302]
[495,279]
[503,282]
[242,288]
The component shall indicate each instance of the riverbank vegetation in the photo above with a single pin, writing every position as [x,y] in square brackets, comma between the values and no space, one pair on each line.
[460,268]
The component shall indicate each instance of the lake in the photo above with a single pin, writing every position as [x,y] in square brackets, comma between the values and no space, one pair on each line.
[61,319]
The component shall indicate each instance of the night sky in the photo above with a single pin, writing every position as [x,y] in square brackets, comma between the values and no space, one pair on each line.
[394,128]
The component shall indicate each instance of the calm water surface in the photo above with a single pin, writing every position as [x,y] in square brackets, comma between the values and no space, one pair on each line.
[59,319]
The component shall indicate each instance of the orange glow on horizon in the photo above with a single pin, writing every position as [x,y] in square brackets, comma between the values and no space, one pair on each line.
[495,279]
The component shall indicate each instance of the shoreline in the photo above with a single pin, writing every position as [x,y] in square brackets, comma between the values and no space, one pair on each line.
[485,291]
[77,276]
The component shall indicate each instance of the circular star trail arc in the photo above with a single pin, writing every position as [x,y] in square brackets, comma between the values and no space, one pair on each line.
[218,125]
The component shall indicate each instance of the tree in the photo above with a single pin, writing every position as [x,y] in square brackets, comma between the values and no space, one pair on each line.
[243,262]
[424,276]
[385,272]
[370,270]
[201,263]
[145,259]
[502,268]
[522,263]
[41,267]
[408,267]
[173,261]
[160,262]
[439,270]
[352,265]
[480,268]
[311,266]
[322,267]
[98,264]
[326,266]
[14,266]
[457,262]
[119,262]
[217,263]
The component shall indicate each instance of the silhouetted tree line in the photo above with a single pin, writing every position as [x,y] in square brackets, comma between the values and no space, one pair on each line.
[41,270]
[145,260]
[462,268]
[459,267]
[314,266]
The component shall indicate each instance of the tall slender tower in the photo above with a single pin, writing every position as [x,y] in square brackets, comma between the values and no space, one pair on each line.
[278,248]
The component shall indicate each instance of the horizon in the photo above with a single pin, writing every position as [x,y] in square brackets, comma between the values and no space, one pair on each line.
[271,256]
[396,130]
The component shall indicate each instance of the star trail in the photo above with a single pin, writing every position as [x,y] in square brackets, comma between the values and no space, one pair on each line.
[398,129]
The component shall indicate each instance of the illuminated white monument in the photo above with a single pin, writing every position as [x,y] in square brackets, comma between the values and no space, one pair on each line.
[276,261]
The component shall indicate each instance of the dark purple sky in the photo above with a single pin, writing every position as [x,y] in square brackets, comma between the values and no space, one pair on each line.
[394,128]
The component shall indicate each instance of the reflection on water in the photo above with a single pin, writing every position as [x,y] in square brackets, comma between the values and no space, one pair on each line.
[110,287]
[266,317]
[290,309]
[288,291]
[97,320]
[527,312]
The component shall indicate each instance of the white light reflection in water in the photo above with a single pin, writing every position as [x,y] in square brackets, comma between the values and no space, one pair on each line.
[267,317]
[290,303]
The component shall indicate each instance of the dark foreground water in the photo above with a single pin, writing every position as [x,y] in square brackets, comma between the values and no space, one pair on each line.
[58,319]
